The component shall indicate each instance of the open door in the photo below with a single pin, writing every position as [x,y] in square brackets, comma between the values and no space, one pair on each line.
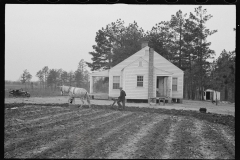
[208,96]
[211,96]
[161,87]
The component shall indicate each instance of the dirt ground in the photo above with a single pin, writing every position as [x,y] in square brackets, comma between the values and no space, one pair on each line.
[221,108]
[47,130]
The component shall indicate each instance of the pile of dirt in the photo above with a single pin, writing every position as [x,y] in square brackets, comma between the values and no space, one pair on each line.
[228,120]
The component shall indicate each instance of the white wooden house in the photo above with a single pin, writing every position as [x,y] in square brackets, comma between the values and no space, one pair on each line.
[144,75]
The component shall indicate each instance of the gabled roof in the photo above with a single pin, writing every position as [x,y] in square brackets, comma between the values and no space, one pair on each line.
[156,53]
[133,62]
[160,71]
[133,58]
[142,54]
[137,55]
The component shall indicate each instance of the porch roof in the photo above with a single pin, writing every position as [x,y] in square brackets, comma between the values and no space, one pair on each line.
[160,71]
[210,90]
[104,73]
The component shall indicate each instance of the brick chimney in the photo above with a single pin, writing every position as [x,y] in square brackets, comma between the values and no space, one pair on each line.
[144,43]
[150,74]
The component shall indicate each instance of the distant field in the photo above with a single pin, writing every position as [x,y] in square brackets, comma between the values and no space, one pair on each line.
[35,92]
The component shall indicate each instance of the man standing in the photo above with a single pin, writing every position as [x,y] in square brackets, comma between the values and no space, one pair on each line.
[121,98]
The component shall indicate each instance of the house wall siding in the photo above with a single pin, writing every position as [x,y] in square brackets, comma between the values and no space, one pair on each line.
[162,63]
[129,74]
[179,92]
[114,92]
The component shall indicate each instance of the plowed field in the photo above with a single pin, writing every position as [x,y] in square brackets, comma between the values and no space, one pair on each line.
[57,131]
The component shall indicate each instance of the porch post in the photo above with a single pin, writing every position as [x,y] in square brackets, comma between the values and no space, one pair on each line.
[170,86]
[91,84]
[121,80]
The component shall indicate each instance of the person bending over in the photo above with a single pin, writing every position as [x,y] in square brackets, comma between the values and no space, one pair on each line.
[121,98]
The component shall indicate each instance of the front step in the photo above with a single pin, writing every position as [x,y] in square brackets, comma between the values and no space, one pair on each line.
[177,100]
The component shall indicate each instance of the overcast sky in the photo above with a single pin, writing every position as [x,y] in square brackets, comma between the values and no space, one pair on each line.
[59,36]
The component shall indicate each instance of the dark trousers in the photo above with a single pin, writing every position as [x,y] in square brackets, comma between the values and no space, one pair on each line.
[123,103]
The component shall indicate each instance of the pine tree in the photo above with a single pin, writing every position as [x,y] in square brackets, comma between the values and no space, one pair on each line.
[45,71]
[114,44]
[177,26]
[160,39]
[203,52]
[25,77]
[40,76]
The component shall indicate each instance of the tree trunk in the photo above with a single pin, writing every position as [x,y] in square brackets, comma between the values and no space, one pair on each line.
[233,88]
[226,92]
[180,48]
[216,98]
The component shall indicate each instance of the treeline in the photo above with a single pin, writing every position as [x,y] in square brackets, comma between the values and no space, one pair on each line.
[51,78]
[222,75]
[182,40]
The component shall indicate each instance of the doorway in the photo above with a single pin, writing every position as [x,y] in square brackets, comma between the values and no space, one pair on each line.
[161,86]
[207,95]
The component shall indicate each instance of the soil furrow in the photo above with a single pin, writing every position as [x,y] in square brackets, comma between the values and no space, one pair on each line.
[29,109]
[186,142]
[25,108]
[127,150]
[114,141]
[32,129]
[92,144]
[220,142]
[153,145]
[51,135]
[203,147]
[36,119]
[60,146]
[86,140]
[58,131]
[45,112]
[42,148]
[17,111]
[228,136]
[72,136]
[35,110]
[27,114]
[36,152]
[25,122]
[46,117]
[22,122]
[171,138]
[48,127]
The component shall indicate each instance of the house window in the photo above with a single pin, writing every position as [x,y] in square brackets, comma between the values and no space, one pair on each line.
[116,82]
[174,84]
[139,81]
